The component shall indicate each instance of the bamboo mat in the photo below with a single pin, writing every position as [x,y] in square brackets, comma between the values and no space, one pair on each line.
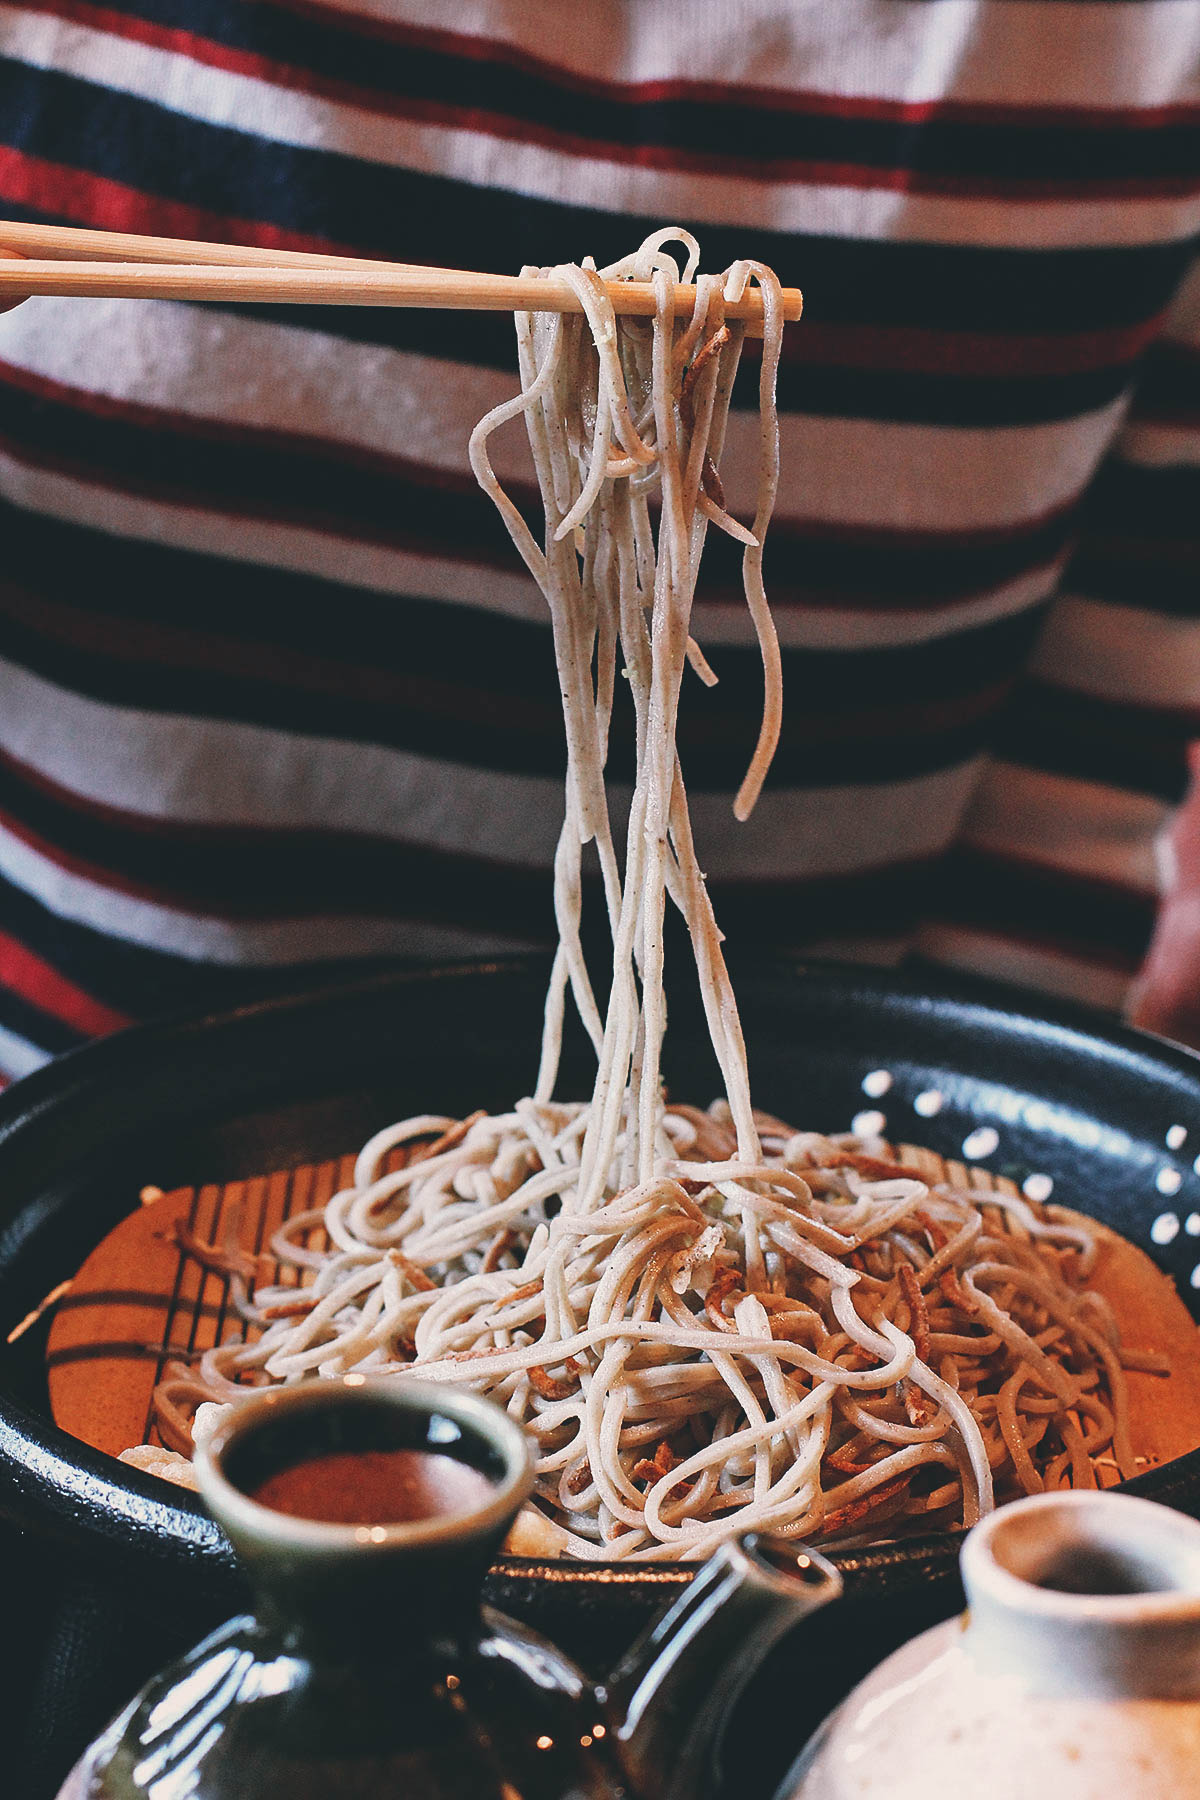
[139,1300]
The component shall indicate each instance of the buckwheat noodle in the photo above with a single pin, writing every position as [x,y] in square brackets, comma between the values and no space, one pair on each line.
[708,1321]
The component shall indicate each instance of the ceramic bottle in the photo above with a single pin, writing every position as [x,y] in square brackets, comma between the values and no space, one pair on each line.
[371,1671]
[1073,1674]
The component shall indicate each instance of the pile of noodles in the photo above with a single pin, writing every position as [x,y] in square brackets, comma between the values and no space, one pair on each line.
[707,1321]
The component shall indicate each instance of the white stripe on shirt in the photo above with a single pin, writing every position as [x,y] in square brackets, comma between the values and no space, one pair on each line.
[458,582]
[1121,653]
[231,942]
[243,371]
[226,773]
[1124,53]
[283,115]
[1051,971]
[1077,826]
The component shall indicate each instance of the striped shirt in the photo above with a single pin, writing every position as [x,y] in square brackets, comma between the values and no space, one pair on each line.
[274,691]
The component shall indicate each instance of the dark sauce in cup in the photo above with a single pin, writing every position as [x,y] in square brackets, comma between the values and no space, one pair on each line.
[374,1487]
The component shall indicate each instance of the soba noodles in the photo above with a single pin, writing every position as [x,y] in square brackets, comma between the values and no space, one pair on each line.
[707,1321]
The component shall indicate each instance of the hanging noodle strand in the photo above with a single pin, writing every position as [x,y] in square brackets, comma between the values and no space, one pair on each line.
[707,1321]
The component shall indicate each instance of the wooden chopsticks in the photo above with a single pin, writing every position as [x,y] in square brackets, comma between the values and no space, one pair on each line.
[71,243]
[122,265]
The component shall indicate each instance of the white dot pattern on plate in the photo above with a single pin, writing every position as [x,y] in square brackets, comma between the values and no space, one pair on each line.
[1176,1137]
[876,1084]
[1196,1276]
[1165,1228]
[867,1124]
[981,1142]
[1038,1187]
[1192,1224]
[929,1103]
[1168,1181]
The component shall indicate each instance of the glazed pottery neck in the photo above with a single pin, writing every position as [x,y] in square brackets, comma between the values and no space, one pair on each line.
[1087,1594]
[670,1699]
[398,1606]
[365,1516]
[331,1574]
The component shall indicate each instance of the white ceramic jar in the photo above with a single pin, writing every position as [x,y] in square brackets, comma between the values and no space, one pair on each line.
[1073,1675]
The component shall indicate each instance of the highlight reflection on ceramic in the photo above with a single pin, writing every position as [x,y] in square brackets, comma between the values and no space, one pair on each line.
[1075,1671]
[369,1666]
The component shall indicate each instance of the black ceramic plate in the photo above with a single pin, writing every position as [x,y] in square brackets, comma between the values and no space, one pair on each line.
[1097,1108]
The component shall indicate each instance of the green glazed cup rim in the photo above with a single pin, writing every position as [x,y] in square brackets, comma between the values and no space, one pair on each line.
[244,1518]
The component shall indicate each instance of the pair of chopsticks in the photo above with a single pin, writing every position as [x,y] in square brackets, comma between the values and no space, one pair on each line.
[122,265]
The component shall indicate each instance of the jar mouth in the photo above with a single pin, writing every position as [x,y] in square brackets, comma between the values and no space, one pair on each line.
[1082,1554]
[786,1564]
[272,1435]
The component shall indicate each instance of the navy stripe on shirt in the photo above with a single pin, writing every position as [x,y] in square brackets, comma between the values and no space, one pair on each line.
[446,78]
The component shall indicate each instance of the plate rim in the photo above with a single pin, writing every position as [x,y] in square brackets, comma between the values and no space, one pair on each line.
[176,1532]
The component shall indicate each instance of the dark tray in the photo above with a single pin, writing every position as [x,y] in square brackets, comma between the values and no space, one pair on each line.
[310,1076]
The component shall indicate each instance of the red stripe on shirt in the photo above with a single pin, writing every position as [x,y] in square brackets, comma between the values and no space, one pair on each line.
[474,47]
[232,59]
[93,200]
[40,983]
[918,350]
[74,194]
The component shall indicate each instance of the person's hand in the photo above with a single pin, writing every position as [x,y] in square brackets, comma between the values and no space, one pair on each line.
[1166,995]
[7,303]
